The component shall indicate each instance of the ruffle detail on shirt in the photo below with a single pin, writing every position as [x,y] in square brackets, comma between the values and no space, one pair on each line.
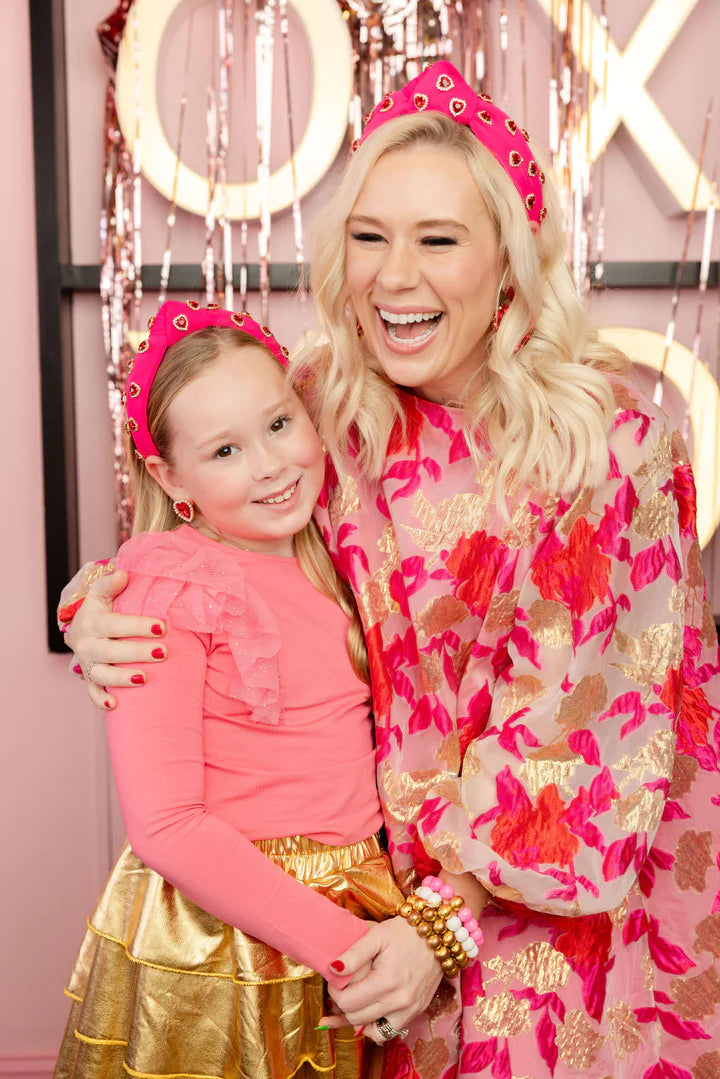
[201,587]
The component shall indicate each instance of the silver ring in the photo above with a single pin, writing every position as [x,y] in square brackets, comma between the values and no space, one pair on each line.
[388,1031]
[88,669]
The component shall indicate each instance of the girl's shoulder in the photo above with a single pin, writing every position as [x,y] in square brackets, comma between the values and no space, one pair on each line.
[201,586]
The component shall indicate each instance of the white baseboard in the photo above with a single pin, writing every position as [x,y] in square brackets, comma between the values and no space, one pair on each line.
[27,1065]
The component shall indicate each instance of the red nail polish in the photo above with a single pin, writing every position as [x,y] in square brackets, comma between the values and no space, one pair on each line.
[338,966]
[138,679]
[157,629]
[158,653]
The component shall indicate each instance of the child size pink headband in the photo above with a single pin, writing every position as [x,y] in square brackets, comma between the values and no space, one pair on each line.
[175,320]
[441,88]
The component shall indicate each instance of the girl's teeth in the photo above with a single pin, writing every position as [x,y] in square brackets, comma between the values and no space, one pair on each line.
[280,498]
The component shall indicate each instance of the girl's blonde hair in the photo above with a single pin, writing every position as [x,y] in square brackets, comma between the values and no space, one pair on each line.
[182,363]
[544,411]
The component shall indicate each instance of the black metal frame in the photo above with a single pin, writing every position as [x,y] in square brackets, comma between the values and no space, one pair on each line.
[52,217]
[59,279]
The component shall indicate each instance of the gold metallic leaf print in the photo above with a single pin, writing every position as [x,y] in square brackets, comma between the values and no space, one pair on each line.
[695,578]
[431,1057]
[707,1066]
[442,613]
[657,648]
[550,624]
[676,600]
[344,500]
[502,1016]
[404,792]
[537,774]
[445,846]
[683,777]
[445,524]
[693,858]
[696,997]
[659,467]
[431,675]
[542,967]
[656,756]
[589,697]
[522,693]
[640,812]
[577,1042]
[375,602]
[521,530]
[447,788]
[624,1029]
[708,632]
[501,612]
[580,508]
[448,752]
[655,519]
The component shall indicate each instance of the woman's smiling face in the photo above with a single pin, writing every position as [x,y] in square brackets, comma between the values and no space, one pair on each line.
[423,269]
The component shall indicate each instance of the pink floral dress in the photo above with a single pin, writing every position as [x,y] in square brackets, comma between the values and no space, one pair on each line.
[546,693]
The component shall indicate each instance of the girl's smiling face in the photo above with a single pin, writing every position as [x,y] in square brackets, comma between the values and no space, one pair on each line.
[245,451]
[423,269]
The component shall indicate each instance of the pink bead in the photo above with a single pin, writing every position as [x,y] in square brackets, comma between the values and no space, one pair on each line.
[464,914]
[471,924]
[478,936]
[429,882]
[446,891]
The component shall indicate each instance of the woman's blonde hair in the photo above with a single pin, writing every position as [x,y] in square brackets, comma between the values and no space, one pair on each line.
[544,411]
[182,363]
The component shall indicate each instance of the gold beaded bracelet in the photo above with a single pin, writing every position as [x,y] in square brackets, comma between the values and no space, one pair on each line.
[431,924]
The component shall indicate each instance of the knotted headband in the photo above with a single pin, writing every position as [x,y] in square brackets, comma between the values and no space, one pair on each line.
[175,320]
[441,88]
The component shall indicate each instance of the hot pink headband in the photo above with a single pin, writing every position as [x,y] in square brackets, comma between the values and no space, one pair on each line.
[441,88]
[173,321]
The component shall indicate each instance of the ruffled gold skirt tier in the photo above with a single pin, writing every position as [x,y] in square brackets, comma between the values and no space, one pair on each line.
[162,990]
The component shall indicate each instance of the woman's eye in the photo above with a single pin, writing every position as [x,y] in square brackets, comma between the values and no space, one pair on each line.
[226,451]
[279,424]
[439,241]
[366,237]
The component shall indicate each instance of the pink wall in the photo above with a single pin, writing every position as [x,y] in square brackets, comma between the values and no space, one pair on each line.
[60,824]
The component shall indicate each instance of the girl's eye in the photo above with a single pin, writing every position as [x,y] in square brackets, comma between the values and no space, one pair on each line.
[366,237]
[226,451]
[439,241]
[279,424]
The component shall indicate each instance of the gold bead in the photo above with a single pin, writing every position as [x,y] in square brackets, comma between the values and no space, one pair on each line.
[448,937]
[457,902]
[463,960]
[429,914]
[457,949]
[444,910]
[424,929]
[441,952]
[449,966]
[418,903]
[414,918]
[434,941]
[405,910]
[439,925]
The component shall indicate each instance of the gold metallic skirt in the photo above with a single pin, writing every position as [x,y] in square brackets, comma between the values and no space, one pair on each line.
[162,990]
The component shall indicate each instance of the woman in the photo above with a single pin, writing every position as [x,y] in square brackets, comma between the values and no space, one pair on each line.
[518,527]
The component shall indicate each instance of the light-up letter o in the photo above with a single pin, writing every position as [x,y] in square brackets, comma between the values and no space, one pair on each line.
[331,55]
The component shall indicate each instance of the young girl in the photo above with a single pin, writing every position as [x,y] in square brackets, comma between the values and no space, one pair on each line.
[246,770]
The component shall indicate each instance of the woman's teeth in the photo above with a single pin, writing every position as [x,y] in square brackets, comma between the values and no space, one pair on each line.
[280,498]
[411,319]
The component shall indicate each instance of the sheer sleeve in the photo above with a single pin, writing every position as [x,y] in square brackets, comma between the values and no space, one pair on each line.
[561,797]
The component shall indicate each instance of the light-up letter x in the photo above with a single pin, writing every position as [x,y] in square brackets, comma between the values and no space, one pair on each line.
[629,102]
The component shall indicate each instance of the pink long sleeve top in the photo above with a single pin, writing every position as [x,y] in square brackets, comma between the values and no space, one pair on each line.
[255,726]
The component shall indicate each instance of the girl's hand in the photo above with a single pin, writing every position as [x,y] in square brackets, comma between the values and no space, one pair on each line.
[404,977]
[97,634]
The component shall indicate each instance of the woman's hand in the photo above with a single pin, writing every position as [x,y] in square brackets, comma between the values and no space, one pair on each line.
[97,634]
[404,977]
